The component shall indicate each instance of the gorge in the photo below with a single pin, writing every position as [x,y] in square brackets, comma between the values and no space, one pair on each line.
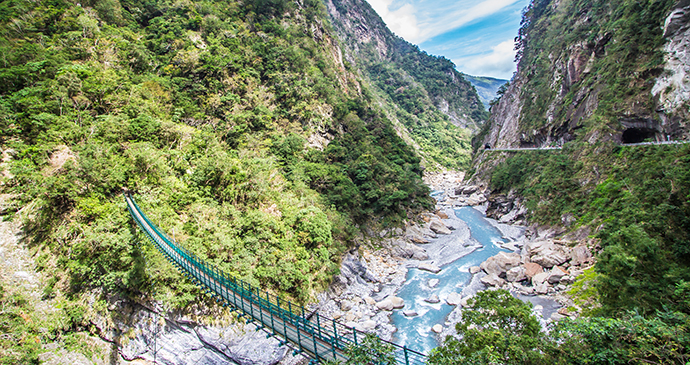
[295,145]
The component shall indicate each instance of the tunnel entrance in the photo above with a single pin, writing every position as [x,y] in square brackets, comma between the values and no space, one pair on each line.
[638,135]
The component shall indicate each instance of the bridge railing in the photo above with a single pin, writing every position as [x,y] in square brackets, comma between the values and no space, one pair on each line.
[234,291]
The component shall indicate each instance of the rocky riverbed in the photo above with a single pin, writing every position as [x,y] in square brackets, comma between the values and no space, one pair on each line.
[537,267]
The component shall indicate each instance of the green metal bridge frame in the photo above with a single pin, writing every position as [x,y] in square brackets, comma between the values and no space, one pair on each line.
[315,336]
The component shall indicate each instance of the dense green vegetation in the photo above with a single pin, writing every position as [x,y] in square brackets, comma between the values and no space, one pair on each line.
[626,37]
[414,86]
[204,109]
[487,88]
[637,200]
[498,328]
[24,330]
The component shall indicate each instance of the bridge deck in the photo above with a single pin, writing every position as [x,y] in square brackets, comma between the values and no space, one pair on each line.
[317,337]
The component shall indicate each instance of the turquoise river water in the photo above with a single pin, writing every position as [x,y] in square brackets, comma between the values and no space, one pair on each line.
[415,332]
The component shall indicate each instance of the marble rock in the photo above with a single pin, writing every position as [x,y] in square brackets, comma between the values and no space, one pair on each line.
[516,274]
[454,298]
[500,263]
[438,227]
[427,266]
[433,299]
[532,269]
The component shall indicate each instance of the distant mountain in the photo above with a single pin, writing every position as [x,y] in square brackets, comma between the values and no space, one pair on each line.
[487,87]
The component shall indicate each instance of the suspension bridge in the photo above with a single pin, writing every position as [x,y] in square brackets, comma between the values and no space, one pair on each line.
[317,337]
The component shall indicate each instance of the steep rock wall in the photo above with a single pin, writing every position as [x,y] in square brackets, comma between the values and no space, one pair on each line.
[577,79]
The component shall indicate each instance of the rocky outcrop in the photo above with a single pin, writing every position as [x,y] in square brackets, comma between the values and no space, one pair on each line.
[498,265]
[672,89]
[558,87]
[174,339]
[543,266]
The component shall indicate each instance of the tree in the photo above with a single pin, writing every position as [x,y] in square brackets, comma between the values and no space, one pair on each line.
[371,351]
[497,328]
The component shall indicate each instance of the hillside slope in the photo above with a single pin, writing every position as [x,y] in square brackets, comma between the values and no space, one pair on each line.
[487,87]
[594,76]
[595,71]
[238,125]
[424,93]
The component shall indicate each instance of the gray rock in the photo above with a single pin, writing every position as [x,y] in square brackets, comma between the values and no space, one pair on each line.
[555,316]
[454,299]
[567,280]
[346,305]
[410,313]
[580,255]
[549,258]
[397,302]
[433,282]
[516,274]
[542,288]
[438,227]
[500,263]
[437,328]
[475,269]
[556,274]
[493,280]
[546,253]
[385,304]
[540,278]
[427,266]
[433,299]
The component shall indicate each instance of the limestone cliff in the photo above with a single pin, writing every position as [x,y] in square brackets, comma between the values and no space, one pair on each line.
[596,71]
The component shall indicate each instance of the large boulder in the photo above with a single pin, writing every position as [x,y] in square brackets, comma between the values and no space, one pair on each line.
[442,215]
[466,190]
[415,234]
[454,298]
[540,278]
[386,305]
[397,302]
[580,255]
[556,274]
[499,264]
[532,269]
[493,280]
[427,266]
[408,250]
[438,227]
[516,274]
[546,253]
[542,288]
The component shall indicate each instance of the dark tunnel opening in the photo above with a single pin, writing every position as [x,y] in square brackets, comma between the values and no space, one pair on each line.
[638,135]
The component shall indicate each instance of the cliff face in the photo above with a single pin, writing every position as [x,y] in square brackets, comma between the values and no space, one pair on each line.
[596,71]
[426,97]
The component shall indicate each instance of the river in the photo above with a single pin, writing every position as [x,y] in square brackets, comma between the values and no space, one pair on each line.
[415,332]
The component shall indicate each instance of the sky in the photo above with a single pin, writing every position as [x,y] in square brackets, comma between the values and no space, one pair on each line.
[477,35]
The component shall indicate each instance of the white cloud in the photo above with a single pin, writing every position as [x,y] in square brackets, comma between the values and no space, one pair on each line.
[500,62]
[401,21]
